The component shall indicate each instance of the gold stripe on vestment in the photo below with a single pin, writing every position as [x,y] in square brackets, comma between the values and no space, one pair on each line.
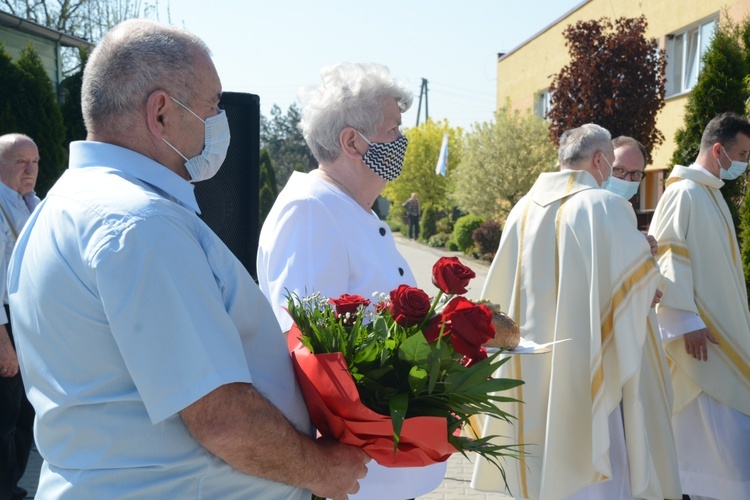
[732,353]
[517,365]
[675,248]
[618,298]
[727,225]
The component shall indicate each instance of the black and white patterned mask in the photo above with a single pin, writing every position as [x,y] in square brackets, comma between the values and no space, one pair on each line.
[385,158]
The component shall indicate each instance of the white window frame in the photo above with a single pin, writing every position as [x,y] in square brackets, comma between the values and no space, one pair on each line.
[685,49]
[543,103]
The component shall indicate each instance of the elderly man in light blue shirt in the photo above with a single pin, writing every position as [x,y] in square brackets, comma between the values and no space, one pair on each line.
[155,365]
[19,166]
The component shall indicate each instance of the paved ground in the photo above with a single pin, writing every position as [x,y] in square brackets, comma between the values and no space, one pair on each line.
[421,259]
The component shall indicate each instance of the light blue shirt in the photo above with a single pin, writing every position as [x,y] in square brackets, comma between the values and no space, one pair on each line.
[18,212]
[127,309]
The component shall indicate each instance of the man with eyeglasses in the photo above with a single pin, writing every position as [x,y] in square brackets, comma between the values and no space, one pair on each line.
[628,167]
[703,316]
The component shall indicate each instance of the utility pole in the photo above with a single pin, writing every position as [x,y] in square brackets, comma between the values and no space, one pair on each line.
[423,92]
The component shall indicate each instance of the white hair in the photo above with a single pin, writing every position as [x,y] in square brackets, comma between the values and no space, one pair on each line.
[8,143]
[579,144]
[352,95]
[134,59]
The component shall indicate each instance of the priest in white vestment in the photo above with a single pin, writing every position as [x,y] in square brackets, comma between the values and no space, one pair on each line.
[704,318]
[572,265]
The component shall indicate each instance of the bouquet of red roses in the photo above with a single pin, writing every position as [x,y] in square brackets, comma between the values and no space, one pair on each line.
[401,374]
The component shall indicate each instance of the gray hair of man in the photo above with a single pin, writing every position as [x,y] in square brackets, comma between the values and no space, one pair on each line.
[134,59]
[8,143]
[577,145]
[352,95]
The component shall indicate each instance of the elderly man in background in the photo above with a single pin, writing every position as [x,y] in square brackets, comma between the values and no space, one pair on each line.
[412,211]
[322,235]
[154,363]
[19,166]
[704,317]
[572,265]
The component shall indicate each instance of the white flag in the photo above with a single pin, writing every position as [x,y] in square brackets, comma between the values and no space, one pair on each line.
[442,163]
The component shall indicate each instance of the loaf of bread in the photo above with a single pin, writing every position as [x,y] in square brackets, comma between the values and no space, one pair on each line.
[507,334]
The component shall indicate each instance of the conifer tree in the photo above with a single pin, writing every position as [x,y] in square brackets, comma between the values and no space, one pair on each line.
[75,129]
[720,88]
[38,116]
[267,183]
[10,88]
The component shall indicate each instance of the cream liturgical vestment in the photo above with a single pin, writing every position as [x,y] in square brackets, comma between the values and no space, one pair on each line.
[700,259]
[572,265]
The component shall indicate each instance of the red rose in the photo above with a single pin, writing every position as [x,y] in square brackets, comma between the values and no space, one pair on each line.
[450,276]
[409,305]
[432,331]
[470,326]
[348,304]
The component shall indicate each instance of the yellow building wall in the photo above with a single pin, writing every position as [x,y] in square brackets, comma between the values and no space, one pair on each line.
[529,68]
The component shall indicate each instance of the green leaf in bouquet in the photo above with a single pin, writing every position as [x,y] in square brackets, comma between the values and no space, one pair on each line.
[459,381]
[439,356]
[415,350]
[399,404]
[380,327]
[417,379]
[366,353]
[494,385]
[486,447]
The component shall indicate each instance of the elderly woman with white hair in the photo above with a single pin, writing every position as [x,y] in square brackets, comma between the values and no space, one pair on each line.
[322,235]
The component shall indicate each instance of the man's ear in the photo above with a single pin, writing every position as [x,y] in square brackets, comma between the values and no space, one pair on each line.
[157,117]
[716,149]
[350,143]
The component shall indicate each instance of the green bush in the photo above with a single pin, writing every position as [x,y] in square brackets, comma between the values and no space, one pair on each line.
[396,226]
[451,245]
[428,225]
[438,240]
[464,229]
[444,224]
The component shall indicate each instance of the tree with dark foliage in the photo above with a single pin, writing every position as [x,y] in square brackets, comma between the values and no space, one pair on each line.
[615,79]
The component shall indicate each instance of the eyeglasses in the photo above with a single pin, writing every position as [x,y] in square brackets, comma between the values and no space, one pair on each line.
[635,176]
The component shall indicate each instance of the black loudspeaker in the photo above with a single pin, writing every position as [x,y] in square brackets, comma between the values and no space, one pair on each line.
[229,200]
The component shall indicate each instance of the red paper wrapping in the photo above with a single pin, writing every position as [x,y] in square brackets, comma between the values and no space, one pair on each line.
[337,412]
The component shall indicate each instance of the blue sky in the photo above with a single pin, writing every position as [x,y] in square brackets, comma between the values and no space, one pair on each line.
[275,47]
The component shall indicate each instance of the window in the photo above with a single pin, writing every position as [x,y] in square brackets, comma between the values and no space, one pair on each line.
[543,103]
[685,50]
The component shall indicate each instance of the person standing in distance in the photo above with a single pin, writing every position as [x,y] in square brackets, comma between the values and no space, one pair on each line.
[19,167]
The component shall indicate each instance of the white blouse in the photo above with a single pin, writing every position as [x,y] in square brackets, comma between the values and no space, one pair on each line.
[318,239]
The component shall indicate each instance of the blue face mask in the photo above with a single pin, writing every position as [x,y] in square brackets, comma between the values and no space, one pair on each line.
[736,168]
[621,187]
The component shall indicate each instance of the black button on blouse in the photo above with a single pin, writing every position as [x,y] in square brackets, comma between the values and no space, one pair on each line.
[382,231]
[401,271]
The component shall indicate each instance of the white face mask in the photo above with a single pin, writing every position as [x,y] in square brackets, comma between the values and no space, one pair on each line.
[605,183]
[736,168]
[621,187]
[215,144]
